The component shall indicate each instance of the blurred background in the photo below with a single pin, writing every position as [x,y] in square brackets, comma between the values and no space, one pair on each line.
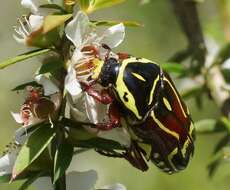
[158,40]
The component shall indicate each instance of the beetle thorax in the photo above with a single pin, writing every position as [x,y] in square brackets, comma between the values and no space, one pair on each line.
[109,72]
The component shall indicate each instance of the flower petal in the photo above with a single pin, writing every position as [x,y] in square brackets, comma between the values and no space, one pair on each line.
[74,181]
[76,106]
[36,22]
[78,28]
[81,180]
[71,83]
[96,112]
[7,162]
[49,87]
[30,4]
[21,135]
[116,186]
[118,134]
[113,36]
[17,117]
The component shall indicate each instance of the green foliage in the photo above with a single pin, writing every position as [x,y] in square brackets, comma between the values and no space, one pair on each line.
[34,146]
[112,22]
[51,65]
[62,159]
[23,57]
[53,21]
[90,6]
[23,86]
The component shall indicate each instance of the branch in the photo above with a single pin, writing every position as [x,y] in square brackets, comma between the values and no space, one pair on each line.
[186,13]
[187,16]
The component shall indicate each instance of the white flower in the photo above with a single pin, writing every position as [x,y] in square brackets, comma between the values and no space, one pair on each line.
[33,23]
[116,186]
[82,106]
[77,181]
[8,159]
[40,103]
[34,5]
[81,33]
[7,162]
[74,181]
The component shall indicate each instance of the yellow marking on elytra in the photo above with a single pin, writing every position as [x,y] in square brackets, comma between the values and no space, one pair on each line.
[122,89]
[188,112]
[139,77]
[167,104]
[153,89]
[170,157]
[191,128]
[163,127]
[178,99]
[98,66]
[186,143]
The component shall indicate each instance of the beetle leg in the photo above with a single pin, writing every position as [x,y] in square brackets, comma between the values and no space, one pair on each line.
[123,56]
[102,96]
[114,119]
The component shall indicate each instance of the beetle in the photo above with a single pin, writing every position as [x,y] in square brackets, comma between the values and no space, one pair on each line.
[141,92]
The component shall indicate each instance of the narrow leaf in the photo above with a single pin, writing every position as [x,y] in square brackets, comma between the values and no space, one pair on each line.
[174,68]
[111,23]
[212,167]
[30,180]
[84,4]
[53,6]
[192,92]
[34,146]
[51,66]
[100,4]
[23,86]
[23,57]
[207,126]
[53,21]
[62,160]
[222,143]
[5,178]
[226,123]
[101,144]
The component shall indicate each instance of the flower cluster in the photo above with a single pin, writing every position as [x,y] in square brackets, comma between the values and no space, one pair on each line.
[56,106]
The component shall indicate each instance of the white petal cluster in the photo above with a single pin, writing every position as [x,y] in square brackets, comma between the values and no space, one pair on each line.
[31,24]
[50,90]
[82,34]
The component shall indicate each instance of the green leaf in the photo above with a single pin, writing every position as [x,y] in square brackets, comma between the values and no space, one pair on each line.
[53,6]
[212,167]
[222,143]
[23,57]
[192,92]
[53,21]
[84,4]
[5,178]
[111,23]
[101,144]
[30,180]
[207,126]
[62,160]
[226,123]
[174,68]
[51,65]
[100,4]
[23,86]
[34,146]
[223,55]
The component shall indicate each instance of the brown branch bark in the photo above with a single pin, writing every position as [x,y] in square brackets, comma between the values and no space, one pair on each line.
[187,15]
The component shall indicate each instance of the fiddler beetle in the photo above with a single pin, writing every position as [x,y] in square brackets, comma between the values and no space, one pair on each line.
[138,90]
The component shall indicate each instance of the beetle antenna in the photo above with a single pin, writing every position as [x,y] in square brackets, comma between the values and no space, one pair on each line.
[108,50]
